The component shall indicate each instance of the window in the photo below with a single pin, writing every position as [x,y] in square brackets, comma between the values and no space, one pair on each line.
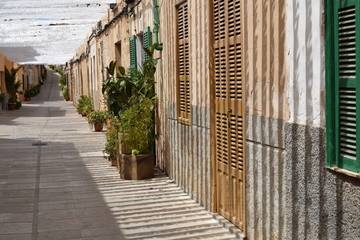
[183,65]
[140,50]
[118,53]
[137,45]
[342,87]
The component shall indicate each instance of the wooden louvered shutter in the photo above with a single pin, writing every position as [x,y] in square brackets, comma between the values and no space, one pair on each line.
[133,60]
[147,41]
[347,83]
[183,82]
[229,110]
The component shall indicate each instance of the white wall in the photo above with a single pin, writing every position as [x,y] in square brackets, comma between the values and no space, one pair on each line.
[305,53]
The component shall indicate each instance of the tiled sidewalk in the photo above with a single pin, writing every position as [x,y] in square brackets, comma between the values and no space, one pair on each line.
[63,188]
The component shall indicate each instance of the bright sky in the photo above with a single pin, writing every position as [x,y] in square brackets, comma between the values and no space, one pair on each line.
[47,31]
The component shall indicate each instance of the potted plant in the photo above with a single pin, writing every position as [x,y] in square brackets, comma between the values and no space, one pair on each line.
[85,105]
[112,140]
[18,105]
[28,94]
[65,93]
[131,97]
[98,119]
[137,133]
[12,86]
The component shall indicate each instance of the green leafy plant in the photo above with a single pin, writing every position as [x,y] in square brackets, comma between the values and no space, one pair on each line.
[18,104]
[62,80]
[98,117]
[36,90]
[131,96]
[33,91]
[117,89]
[28,93]
[112,136]
[12,86]
[65,93]
[137,127]
[125,89]
[85,105]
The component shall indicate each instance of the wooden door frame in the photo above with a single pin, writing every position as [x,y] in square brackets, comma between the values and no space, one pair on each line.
[213,203]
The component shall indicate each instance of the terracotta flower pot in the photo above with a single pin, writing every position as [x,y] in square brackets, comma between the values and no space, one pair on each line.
[11,106]
[98,127]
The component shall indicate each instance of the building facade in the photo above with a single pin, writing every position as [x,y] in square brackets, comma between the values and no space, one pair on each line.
[28,75]
[257,116]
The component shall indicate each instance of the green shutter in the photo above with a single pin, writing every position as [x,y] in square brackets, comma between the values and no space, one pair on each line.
[147,41]
[133,60]
[346,84]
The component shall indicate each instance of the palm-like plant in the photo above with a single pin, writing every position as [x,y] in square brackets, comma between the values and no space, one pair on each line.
[12,86]
[123,90]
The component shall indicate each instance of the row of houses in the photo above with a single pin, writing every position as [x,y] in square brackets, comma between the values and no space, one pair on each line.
[258,103]
[28,75]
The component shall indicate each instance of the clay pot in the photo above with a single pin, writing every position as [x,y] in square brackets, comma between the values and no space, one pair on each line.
[98,127]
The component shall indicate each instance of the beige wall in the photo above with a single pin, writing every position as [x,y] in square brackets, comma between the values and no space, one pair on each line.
[266,70]
[184,151]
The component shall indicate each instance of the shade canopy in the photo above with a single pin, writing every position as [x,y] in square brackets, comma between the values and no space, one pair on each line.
[47,31]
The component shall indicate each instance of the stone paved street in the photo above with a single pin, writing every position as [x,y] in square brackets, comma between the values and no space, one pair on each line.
[63,188]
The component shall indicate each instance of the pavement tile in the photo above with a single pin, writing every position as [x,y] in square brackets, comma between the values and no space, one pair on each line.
[59,235]
[18,228]
[15,217]
[15,236]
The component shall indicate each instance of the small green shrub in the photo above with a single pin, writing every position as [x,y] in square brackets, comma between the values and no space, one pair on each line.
[18,104]
[85,105]
[98,116]
[65,93]
[137,127]
[62,80]
[112,136]
[28,93]
[35,90]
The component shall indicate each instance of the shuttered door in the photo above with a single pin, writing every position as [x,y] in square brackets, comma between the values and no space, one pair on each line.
[229,111]
[147,41]
[347,40]
[183,88]
[133,60]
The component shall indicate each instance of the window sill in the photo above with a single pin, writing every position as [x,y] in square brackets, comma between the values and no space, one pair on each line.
[343,171]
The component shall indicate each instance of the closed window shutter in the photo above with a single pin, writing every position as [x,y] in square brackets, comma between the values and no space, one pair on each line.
[147,41]
[184,101]
[347,84]
[133,60]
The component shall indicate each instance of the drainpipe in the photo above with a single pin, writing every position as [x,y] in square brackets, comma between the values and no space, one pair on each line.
[156,26]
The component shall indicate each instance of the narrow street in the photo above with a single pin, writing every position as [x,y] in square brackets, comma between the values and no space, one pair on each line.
[55,183]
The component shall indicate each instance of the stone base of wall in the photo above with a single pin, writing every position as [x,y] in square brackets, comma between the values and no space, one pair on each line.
[320,204]
[265,175]
[189,153]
